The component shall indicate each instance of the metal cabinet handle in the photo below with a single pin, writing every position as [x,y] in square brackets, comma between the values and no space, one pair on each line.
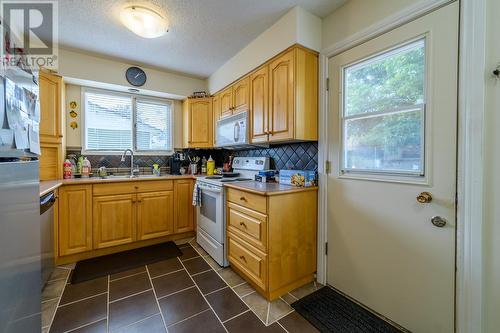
[243,258]
[243,199]
[424,197]
[243,224]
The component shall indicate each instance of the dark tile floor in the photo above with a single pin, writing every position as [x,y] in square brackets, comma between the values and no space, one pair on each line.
[190,293]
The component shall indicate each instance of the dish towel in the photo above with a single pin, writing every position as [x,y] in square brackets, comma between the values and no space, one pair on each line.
[196,195]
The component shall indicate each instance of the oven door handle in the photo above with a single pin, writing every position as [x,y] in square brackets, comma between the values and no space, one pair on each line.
[210,189]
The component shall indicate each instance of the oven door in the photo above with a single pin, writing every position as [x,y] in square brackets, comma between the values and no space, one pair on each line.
[210,214]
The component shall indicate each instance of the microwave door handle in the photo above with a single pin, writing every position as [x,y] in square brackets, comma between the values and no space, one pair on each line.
[235,138]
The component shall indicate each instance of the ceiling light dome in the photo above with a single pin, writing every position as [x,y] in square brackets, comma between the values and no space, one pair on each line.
[144,22]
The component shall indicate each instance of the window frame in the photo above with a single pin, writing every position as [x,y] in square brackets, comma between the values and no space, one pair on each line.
[133,123]
[387,175]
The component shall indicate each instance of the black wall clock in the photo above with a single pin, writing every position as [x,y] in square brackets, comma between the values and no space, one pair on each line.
[135,76]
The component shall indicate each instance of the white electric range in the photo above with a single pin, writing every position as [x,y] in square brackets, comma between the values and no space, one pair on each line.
[211,230]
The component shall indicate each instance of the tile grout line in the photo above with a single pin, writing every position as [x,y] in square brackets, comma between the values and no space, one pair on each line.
[240,284]
[283,327]
[156,299]
[210,306]
[83,299]
[213,292]
[199,273]
[268,309]
[190,258]
[165,274]
[59,302]
[190,317]
[175,292]
[125,277]
[85,325]
[128,296]
[137,322]
[250,293]
[239,314]
[107,306]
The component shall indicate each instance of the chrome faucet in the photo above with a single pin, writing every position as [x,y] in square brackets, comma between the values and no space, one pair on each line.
[132,170]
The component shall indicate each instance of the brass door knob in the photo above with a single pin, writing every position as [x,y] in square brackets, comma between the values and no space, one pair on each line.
[424,197]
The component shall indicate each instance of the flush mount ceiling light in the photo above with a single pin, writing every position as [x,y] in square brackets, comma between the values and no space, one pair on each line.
[144,22]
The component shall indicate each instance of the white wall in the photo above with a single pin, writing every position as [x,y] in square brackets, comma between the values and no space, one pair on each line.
[491,214]
[74,136]
[357,15]
[296,26]
[83,67]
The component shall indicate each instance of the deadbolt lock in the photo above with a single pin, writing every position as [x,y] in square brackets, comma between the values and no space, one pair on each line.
[424,197]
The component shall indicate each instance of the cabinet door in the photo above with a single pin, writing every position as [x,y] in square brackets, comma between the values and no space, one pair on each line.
[241,95]
[259,89]
[50,107]
[51,161]
[75,219]
[216,115]
[281,97]
[201,122]
[114,220]
[183,206]
[155,214]
[226,102]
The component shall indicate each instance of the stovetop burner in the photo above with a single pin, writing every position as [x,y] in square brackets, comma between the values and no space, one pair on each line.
[213,177]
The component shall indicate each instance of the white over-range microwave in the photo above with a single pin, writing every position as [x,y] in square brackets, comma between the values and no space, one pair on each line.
[232,132]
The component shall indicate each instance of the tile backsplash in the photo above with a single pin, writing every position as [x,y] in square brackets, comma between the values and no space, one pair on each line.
[299,156]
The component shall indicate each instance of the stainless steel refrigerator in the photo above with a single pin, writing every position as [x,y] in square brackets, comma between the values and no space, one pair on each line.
[20,267]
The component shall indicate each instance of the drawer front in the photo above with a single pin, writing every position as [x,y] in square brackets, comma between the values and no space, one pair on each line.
[251,226]
[248,260]
[132,187]
[248,200]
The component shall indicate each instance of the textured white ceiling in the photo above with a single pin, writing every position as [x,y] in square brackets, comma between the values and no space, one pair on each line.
[203,34]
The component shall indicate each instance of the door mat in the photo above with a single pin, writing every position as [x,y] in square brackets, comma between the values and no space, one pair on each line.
[329,311]
[118,262]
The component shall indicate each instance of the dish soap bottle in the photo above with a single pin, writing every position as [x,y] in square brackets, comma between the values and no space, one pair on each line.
[86,168]
[204,165]
[210,166]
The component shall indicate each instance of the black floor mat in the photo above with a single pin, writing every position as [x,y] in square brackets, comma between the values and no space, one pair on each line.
[118,262]
[329,311]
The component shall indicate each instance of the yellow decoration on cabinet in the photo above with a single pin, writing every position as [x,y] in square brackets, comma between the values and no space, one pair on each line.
[73,104]
[73,125]
[73,114]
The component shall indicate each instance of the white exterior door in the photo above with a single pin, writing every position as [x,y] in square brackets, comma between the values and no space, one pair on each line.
[392,136]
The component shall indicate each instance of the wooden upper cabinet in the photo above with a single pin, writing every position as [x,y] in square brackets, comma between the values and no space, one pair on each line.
[51,120]
[200,122]
[241,95]
[114,220]
[183,207]
[259,114]
[75,219]
[155,214]
[226,102]
[281,116]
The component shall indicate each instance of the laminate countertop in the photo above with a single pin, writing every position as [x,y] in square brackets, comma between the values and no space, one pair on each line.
[268,188]
[50,185]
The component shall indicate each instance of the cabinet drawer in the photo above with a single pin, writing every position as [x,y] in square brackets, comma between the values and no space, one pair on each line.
[248,200]
[132,187]
[248,260]
[249,225]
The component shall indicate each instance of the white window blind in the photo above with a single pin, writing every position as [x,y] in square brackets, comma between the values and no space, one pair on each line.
[153,125]
[115,122]
[108,121]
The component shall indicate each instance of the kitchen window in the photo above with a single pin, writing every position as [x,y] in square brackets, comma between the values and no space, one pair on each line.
[383,112]
[118,121]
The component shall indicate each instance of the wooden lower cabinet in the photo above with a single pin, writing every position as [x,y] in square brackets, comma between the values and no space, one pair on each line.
[272,238]
[114,220]
[74,219]
[183,207]
[155,214]
[104,218]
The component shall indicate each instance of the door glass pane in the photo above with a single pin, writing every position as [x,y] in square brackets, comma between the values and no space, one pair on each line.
[384,112]
[388,81]
[391,142]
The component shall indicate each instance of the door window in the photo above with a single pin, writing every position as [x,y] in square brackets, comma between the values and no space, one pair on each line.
[383,112]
